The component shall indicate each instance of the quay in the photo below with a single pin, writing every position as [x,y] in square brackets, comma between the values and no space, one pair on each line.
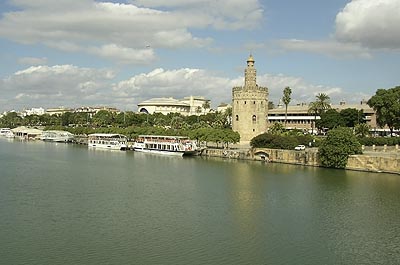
[370,161]
[374,159]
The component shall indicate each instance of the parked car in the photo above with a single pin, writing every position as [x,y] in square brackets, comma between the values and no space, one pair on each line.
[300,147]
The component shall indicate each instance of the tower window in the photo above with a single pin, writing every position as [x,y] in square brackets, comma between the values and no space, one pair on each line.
[254,118]
[254,102]
[244,102]
[237,117]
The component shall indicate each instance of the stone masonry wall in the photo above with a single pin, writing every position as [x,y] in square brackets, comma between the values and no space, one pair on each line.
[373,163]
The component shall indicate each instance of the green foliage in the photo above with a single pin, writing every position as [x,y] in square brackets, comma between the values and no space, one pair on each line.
[224,136]
[271,105]
[379,141]
[330,119]
[362,129]
[336,148]
[352,117]
[277,128]
[11,120]
[279,141]
[386,103]
[286,99]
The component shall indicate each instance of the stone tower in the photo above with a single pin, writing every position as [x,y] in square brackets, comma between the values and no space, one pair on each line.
[249,106]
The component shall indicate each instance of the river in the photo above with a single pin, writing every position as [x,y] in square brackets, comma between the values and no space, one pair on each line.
[65,204]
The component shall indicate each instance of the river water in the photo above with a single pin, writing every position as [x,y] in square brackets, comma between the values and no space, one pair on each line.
[65,204]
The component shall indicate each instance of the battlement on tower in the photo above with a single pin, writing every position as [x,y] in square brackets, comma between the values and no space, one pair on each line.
[241,88]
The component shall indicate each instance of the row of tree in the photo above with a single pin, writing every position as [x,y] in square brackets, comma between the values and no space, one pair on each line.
[105,118]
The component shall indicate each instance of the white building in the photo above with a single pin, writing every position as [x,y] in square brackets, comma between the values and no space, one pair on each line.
[223,107]
[197,105]
[33,111]
[58,111]
[187,106]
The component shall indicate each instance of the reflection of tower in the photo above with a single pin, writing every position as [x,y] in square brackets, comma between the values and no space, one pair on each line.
[249,106]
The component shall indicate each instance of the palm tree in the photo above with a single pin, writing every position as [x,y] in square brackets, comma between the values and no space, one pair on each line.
[206,105]
[228,116]
[286,100]
[320,105]
[198,111]
[362,129]
[323,102]
[313,109]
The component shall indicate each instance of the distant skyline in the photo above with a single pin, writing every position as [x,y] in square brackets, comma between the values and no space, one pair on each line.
[118,53]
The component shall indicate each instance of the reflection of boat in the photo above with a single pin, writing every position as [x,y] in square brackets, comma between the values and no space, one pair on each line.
[57,136]
[6,132]
[166,145]
[107,141]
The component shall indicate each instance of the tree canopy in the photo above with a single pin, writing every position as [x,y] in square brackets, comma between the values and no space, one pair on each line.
[386,103]
[336,148]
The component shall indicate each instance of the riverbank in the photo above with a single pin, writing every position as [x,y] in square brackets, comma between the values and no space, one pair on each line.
[387,162]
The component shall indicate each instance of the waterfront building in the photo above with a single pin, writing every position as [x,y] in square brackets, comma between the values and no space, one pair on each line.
[197,104]
[249,106]
[187,106]
[298,116]
[33,111]
[58,111]
[27,133]
[223,107]
[91,111]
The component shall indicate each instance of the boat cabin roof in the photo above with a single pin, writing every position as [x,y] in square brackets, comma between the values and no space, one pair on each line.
[163,137]
[106,135]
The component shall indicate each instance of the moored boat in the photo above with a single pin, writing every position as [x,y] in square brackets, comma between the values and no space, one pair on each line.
[165,145]
[6,132]
[110,141]
[57,136]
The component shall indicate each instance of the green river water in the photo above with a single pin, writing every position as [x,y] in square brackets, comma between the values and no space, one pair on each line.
[66,204]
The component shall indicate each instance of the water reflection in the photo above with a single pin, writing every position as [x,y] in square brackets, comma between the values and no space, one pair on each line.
[65,204]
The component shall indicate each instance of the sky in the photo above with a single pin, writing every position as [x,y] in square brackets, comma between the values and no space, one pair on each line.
[113,53]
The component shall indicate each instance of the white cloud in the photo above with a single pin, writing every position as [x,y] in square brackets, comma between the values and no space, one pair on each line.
[67,85]
[122,31]
[123,54]
[371,23]
[50,86]
[304,91]
[222,14]
[329,47]
[32,60]
[176,83]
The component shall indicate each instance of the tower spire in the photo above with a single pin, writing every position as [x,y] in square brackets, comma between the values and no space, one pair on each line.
[250,74]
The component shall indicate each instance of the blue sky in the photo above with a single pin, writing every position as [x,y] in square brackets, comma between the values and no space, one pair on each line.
[118,53]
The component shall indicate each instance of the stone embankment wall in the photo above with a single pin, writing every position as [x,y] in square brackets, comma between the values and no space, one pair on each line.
[378,162]
[389,164]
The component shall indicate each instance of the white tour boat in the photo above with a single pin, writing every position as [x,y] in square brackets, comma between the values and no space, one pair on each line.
[165,145]
[6,132]
[57,136]
[110,141]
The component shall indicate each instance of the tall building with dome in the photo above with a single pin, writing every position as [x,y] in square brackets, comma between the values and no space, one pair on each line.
[249,106]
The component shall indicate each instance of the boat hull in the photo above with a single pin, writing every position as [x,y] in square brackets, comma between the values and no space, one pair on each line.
[107,146]
[159,152]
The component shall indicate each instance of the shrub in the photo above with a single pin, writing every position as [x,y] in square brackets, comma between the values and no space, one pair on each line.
[276,141]
[336,148]
[369,141]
